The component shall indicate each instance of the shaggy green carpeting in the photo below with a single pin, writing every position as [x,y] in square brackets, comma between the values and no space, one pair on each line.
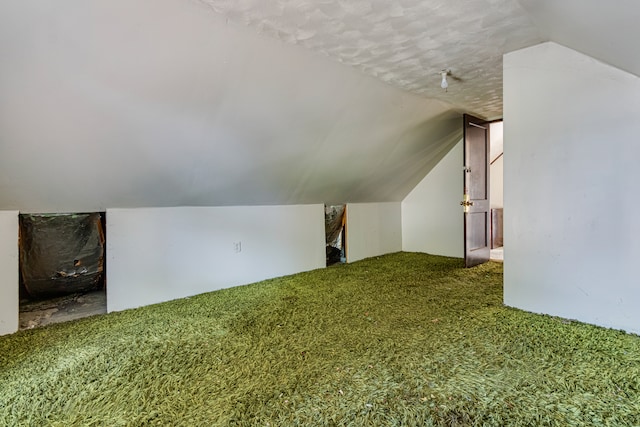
[405,339]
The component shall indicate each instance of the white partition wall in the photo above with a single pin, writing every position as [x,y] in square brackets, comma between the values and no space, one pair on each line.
[432,220]
[373,229]
[8,272]
[571,127]
[159,254]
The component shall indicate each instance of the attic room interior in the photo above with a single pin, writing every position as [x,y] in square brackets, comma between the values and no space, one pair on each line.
[201,147]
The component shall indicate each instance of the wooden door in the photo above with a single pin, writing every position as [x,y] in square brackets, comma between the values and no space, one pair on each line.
[477,220]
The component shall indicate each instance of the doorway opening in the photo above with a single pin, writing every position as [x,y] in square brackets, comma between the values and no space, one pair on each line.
[62,265]
[335,230]
[496,190]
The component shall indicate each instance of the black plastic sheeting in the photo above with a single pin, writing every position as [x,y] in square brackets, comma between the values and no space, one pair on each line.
[61,254]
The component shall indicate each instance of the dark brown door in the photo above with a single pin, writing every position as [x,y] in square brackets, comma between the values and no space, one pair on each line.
[476,191]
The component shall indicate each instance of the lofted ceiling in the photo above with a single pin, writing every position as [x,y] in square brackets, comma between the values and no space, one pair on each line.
[113,103]
[407,43]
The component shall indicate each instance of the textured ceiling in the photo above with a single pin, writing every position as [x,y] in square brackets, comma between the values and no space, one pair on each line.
[403,42]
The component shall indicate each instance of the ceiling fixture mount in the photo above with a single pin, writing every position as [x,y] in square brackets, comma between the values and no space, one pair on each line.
[444,84]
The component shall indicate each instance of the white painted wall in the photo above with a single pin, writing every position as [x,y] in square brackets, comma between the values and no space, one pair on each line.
[373,229]
[496,173]
[9,264]
[571,221]
[432,219]
[160,254]
[497,183]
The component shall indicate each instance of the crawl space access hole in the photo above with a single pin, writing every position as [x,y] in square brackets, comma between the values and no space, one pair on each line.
[62,264]
[335,233]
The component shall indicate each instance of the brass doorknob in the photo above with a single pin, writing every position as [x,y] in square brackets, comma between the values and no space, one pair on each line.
[466,203]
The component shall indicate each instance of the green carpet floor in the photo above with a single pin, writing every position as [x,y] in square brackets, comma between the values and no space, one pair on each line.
[400,340]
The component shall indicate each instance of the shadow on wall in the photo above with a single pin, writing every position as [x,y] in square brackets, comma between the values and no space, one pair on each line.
[418,151]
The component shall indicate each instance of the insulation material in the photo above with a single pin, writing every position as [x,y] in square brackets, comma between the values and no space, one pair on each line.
[61,254]
[333,223]
[334,219]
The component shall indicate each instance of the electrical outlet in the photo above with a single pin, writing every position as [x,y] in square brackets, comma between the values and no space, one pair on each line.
[237,247]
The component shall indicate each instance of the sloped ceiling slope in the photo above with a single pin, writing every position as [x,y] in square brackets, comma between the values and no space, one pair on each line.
[113,103]
[605,30]
[165,103]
